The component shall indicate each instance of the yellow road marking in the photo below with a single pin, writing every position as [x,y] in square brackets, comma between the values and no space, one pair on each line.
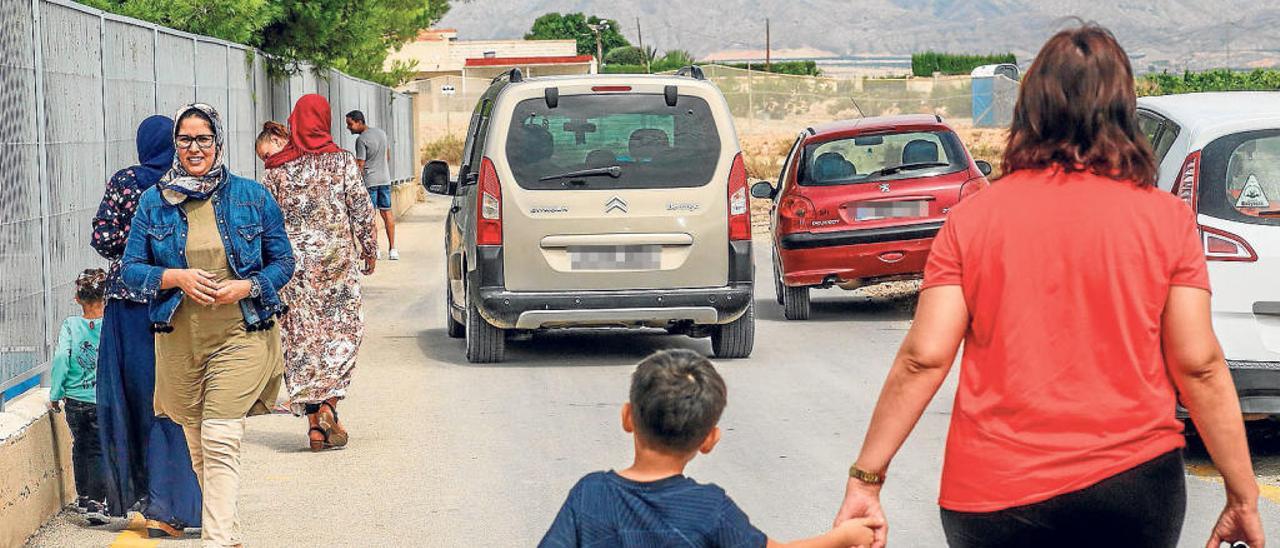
[133,539]
[1210,473]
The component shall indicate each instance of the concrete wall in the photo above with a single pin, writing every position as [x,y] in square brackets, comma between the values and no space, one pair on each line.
[35,467]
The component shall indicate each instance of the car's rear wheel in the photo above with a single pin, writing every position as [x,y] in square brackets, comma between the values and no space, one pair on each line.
[485,343]
[737,338]
[454,327]
[777,279]
[795,302]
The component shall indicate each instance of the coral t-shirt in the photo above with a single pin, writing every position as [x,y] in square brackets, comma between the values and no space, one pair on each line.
[1062,382]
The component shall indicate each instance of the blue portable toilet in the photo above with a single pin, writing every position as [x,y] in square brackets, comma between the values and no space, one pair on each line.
[986,113]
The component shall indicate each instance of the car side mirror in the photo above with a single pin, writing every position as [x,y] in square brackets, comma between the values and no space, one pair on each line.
[435,176]
[762,190]
[984,166]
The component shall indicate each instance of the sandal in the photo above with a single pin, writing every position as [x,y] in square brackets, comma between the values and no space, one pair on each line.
[318,445]
[335,434]
[158,529]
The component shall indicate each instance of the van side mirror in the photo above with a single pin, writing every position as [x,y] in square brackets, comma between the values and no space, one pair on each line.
[984,166]
[762,190]
[435,176]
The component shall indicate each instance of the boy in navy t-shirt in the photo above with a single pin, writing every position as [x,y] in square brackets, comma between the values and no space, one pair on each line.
[676,401]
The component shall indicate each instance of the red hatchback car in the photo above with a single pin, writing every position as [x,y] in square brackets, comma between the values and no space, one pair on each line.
[858,202]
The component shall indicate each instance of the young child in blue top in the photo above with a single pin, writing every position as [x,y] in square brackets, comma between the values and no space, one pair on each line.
[676,401]
[75,379]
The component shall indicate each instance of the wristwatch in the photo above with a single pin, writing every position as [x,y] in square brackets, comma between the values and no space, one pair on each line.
[870,478]
[255,290]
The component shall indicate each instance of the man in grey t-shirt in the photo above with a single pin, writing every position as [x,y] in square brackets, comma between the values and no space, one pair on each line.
[373,156]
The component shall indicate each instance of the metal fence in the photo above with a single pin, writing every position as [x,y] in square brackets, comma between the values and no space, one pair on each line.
[74,84]
[765,103]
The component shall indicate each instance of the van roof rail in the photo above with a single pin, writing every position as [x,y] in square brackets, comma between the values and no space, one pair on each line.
[938,116]
[513,76]
[692,71]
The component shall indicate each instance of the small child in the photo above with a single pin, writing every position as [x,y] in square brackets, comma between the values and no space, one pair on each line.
[676,401]
[75,378]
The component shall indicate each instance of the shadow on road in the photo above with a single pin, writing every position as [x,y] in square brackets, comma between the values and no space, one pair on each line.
[1264,445]
[565,348]
[839,308]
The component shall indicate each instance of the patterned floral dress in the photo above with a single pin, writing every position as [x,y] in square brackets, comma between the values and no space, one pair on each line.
[330,223]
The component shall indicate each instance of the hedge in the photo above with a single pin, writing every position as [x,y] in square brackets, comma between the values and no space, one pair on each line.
[929,62]
[1211,80]
[799,68]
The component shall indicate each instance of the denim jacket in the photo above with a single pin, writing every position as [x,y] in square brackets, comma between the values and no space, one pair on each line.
[252,229]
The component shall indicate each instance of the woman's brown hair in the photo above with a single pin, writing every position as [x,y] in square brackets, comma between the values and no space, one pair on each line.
[272,129]
[1077,110]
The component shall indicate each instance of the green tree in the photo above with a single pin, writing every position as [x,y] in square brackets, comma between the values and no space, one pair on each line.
[232,20]
[353,36]
[350,35]
[576,26]
[625,55]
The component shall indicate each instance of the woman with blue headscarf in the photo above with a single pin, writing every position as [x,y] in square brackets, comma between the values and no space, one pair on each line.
[147,462]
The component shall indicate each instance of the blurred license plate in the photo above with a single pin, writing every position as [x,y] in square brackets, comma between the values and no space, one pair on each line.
[615,257]
[891,210]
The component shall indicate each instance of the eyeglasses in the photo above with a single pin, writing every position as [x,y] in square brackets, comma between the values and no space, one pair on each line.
[205,142]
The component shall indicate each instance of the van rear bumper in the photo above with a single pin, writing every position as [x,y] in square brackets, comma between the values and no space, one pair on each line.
[613,308]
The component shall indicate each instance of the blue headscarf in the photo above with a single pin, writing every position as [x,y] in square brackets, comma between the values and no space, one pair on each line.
[155,150]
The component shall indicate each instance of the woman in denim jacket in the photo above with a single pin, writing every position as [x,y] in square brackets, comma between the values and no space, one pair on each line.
[209,250]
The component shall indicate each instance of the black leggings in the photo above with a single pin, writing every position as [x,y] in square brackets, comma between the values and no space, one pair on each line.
[1143,506]
[86,451]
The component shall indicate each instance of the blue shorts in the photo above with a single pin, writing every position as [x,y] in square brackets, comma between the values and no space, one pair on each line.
[381,196]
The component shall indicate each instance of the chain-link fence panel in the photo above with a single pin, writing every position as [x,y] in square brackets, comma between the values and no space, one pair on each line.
[22,306]
[74,85]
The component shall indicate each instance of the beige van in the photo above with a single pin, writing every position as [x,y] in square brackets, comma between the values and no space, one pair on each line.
[598,201]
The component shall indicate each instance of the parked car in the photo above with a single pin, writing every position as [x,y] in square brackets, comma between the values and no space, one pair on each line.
[1220,152]
[598,201]
[858,202]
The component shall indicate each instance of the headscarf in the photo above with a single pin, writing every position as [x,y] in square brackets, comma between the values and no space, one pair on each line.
[155,150]
[308,131]
[178,185]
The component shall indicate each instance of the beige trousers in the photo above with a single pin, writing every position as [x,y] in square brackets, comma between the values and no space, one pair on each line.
[215,457]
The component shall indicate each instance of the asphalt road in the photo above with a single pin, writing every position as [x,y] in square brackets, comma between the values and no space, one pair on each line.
[445,453]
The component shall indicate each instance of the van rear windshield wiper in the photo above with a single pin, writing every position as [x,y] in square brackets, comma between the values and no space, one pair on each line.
[612,171]
[906,167]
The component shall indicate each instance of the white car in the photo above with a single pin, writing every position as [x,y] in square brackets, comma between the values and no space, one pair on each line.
[1221,153]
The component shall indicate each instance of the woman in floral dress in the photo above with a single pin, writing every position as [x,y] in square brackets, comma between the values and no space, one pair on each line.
[330,223]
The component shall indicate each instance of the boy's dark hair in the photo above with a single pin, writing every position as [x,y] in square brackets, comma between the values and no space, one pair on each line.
[91,285]
[676,399]
[356,115]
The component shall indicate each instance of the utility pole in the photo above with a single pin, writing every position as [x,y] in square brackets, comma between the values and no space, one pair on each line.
[768,50]
[640,38]
[596,28]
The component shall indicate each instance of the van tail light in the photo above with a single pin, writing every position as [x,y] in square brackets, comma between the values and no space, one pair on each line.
[739,203]
[1189,180]
[794,213]
[1220,245]
[972,186]
[488,205]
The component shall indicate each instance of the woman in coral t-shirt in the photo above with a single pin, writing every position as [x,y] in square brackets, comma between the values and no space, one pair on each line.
[1081,295]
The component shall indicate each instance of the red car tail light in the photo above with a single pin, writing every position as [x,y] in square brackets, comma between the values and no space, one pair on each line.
[1189,180]
[488,205]
[739,204]
[794,213]
[1220,245]
[972,186]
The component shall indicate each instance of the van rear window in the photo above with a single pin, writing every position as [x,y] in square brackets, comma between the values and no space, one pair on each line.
[613,141]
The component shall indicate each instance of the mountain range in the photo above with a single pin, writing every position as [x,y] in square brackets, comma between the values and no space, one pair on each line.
[1158,34]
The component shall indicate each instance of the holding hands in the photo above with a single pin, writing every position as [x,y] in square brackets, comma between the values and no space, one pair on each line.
[203,287]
